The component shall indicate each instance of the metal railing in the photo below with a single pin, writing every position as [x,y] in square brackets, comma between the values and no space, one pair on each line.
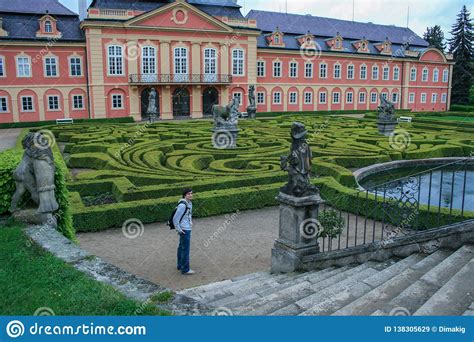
[426,200]
[180,79]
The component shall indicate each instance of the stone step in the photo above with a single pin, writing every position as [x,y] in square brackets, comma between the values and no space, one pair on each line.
[380,295]
[415,295]
[234,300]
[470,311]
[453,298]
[359,289]
[285,294]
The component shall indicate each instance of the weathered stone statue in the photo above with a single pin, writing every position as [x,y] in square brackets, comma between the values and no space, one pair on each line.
[226,124]
[152,110]
[386,121]
[252,108]
[298,165]
[35,174]
[299,208]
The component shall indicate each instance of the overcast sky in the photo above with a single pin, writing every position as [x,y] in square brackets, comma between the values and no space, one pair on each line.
[423,13]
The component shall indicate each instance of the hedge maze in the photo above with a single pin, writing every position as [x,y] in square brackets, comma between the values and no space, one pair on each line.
[145,167]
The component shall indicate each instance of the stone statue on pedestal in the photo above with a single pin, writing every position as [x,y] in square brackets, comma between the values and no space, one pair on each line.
[252,108]
[35,174]
[152,110]
[226,121]
[386,121]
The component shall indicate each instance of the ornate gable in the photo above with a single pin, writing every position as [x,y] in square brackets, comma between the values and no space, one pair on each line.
[362,46]
[307,41]
[336,43]
[385,48]
[275,39]
[48,28]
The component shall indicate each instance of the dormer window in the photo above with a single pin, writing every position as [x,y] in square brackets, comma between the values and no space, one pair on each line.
[48,27]
[364,46]
[338,44]
[276,40]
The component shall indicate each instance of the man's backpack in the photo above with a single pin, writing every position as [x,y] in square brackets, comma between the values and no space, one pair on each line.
[170,221]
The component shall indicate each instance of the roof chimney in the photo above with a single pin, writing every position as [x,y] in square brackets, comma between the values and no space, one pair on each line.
[82,9]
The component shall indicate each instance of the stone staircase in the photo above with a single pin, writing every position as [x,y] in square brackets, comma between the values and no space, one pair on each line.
[441,283]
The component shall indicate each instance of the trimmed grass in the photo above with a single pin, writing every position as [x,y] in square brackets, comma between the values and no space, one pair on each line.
[451,118]
[31,278]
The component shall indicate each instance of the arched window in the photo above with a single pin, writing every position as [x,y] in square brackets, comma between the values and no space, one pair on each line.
[48,27]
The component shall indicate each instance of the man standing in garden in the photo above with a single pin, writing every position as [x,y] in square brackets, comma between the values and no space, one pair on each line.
[183,221]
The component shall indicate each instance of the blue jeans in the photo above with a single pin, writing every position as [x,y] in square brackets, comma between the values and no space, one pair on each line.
[183,251]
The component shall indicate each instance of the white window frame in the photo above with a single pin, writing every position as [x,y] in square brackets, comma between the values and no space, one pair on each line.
[384,95]
[375,72]
[293,95]
[51,69]
[115,62]
[23,110]
[363,72]
[373,97]
[293,71]
[261,66]
[54,99]
[4,100]
[46,26]
[2,67]
[423,98]
[395,97]
[350,95]
[337,71]
[444,98]
[436,75]
[396,73]
[260,95]
[321,93]
[115,99]
[445,75]
[434,98]
[425,75]
[413,74]
[73,65]
[411,98]
[239,95]
[308,70]
[362,97]
[210,66]
[306,93]
[238,62]
[20,67]
[274,97]
[323,70]
[76,97]
[277,69]
[386,73]
[149,60]
[350,72]
[334,97]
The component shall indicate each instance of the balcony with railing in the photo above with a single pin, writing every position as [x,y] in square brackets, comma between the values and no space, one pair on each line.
[140,79]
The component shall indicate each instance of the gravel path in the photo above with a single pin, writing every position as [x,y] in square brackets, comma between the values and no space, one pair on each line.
[8,137]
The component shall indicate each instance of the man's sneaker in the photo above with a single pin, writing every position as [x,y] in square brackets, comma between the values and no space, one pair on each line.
[190,272]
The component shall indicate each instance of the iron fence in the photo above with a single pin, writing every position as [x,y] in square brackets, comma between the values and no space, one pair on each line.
[180,79]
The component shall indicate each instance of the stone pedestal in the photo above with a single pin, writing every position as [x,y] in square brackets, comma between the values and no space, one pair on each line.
[31,216]
[225,138]
[252,112]
[386,127]
[297,217]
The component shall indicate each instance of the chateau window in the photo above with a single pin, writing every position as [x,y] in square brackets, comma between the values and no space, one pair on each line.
[338,44]
[3,105]
[375,72]
[2,67]
[148,60]
[276,40]
[180,61]
[435,75]
[423,98]
[238,62]
[349,97]
[444,98]
[385,96]
[308,97]
[336,97]
[386,73]
[293,97]
[373,97]
[261,68]
[395,97]
[411,98]
[238,96]
[51,66]
[445,76]
[396,73]
[293,69]
[322,97]
[434,98]
[117,101]
[323,70]
[363,72]
[27,104]
[78,102]
[261,98]
[48,27]
[277,97]
[350,72]
[413,74]
[337,71]
[308,70]
[115,58]
[362,97]
[53,102]
[424,77]
[276,69]
[75,66]
[23,66]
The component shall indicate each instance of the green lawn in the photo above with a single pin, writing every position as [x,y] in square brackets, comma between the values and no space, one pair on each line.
[31,278]
[451,118]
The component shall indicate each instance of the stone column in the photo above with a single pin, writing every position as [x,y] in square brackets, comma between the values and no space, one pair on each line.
[450,86]
[298,232]
[167,113]
[165,62]
[224,58]
[197,112]
[134,110]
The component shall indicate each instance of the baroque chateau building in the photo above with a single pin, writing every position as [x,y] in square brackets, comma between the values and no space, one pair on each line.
[198,53]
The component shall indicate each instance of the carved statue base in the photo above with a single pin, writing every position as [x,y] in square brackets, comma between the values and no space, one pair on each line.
[32,216]
[252,112]
[225,137]
[296,238]
[386,127]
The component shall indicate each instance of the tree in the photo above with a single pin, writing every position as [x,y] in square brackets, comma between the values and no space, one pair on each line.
[460,45]
[435,37]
